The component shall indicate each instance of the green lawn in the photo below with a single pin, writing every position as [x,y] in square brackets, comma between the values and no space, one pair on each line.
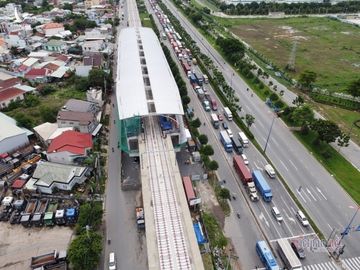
[346,175]
[326,46]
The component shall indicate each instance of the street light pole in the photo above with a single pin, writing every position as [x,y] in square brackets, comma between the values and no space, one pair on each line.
[268,137]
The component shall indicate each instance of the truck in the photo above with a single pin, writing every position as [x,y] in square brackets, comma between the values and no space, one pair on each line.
[228,113]
[237,146]
[39,212]
[49,259]
[140,218]
[225,140]
[242,170]
[262,186]
[200,93]
[60,217]
[251,190]
[27,214]
[49,214]
[205,78]
[186,68]
[215,120]
[243,139]
[193,79]
[70,216]
[199,79]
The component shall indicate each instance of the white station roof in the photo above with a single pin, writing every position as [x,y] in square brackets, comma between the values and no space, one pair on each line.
[163,95]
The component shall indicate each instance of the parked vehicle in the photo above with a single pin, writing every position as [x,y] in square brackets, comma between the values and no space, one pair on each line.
[60,217]
[228,113]
[270,171]
[49,214]
[112,261]
[225,140]
[27,214]
[140,218]
[50,259]
[262,186]
[71,216]
[37,218]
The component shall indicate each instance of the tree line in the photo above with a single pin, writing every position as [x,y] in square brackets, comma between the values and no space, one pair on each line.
[264,8]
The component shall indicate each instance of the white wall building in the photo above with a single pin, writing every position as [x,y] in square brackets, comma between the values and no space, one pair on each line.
[11,137]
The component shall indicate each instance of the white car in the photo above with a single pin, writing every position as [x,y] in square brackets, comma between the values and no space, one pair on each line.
[276,214]
[112,261]
[244,157]
[270,171]
[302,218]
[229,132]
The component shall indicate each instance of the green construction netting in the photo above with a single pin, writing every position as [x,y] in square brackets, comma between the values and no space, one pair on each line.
[128,128]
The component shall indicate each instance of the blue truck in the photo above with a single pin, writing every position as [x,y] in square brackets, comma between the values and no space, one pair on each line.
[195,79]
[199,80]
[262,185]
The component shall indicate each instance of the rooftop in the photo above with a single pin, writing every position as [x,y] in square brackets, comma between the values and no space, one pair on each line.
[53,25]
[77,105]
[71,141]
[11,129]
[160,95]
[82,117]
[10,93]
[48,131]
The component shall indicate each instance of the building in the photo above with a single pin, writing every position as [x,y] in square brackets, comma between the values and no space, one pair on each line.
[37,75]
[70,147]
[48,176]
[10,95]
[77,105]
[55,45]
[46,132]
[12,137]
[52,29]
[93,46]
[95,95]
[93,59]
[90,3]
[84,122]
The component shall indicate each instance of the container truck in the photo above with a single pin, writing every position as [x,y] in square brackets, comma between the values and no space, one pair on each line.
[49,214]
[186,68]
[27,214]
[39,212]
[49,260]
[241,169]
[225,140]
[262,186]
[228,113]
[215,120]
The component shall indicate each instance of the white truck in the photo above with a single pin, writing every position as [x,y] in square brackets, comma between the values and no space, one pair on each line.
[251,189]
[228,113]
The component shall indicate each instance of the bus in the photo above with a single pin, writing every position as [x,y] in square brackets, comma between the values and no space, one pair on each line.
[228,113]
[243,139]
[225,140]
[288,255]
[266,256]
[237,146]
[215,120]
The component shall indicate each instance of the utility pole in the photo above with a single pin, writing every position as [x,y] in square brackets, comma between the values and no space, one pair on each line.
[268,137]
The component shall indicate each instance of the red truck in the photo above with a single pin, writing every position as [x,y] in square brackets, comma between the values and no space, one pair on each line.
[245,176]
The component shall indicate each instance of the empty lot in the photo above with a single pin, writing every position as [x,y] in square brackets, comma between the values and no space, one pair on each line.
[19,244]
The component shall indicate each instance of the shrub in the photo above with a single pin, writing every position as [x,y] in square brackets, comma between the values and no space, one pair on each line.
[274,97]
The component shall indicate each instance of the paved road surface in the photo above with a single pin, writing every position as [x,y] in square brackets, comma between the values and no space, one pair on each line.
[326,202]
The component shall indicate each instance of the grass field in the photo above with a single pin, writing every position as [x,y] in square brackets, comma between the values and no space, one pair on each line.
[326,46]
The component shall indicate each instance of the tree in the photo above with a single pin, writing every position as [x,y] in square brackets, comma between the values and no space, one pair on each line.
[91,215]
[203,139]
[185,100]
[59,19]
[224,193]
[196,123]
[48,114]
[302,116]
[47,89]
[249,119]
[31,101]
[307,78]
[207,150]
[298,101]
[23,120]
[213,165]
[68,6]
[96,77]
[343,140]
[85,251]
[45,4]
[327,130]
[354,88]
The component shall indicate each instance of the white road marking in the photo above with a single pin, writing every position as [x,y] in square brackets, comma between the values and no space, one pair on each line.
[292,163]
[259,168]
[322,194]
[330,226]
[284,165]
[299,192]
[262,217]
[308,190]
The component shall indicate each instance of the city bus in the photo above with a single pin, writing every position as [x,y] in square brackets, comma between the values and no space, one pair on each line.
[228,113]
[288,255]
[225,140]
[266,256]
[243,139]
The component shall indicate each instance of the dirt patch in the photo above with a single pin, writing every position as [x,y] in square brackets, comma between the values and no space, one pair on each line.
[209,201]
[19,244]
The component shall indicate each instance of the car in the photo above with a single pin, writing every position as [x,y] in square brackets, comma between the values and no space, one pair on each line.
[270,170]
[276,213]
[229,132]
[302,218]
[112,262]
[244,157]
[299,251]
[225,125]
[220,117]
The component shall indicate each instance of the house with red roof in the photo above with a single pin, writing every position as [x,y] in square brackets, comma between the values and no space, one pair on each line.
[10,94]
[37,75]
[52,29]
[71,147]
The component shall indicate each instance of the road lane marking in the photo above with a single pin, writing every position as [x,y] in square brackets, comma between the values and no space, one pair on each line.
[301,196]
[294,237]
[262,217]
[292,163]
[286,223]
[259,168]
[308,191]
[330,226]
[284,165]
[322,194]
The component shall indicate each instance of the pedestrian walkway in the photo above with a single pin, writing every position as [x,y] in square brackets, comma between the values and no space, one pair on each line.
[322,266]
[351,263]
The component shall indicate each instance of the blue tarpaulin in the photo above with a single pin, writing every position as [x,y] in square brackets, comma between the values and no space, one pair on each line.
[199,233]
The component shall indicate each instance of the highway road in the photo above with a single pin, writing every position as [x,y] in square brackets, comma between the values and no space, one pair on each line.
[126,242]
[246,231]
[325,201]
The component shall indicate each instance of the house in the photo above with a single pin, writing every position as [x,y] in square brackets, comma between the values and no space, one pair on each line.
[84,122]
[94,59]
[76,105]
[55,45]
[94,34]
[95,95]
[10,95]
[93,46]
[46,132]
[15,39]
[90,3]
[12,137]
[48,176]
[37,75]
[52,29]
[70,147]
